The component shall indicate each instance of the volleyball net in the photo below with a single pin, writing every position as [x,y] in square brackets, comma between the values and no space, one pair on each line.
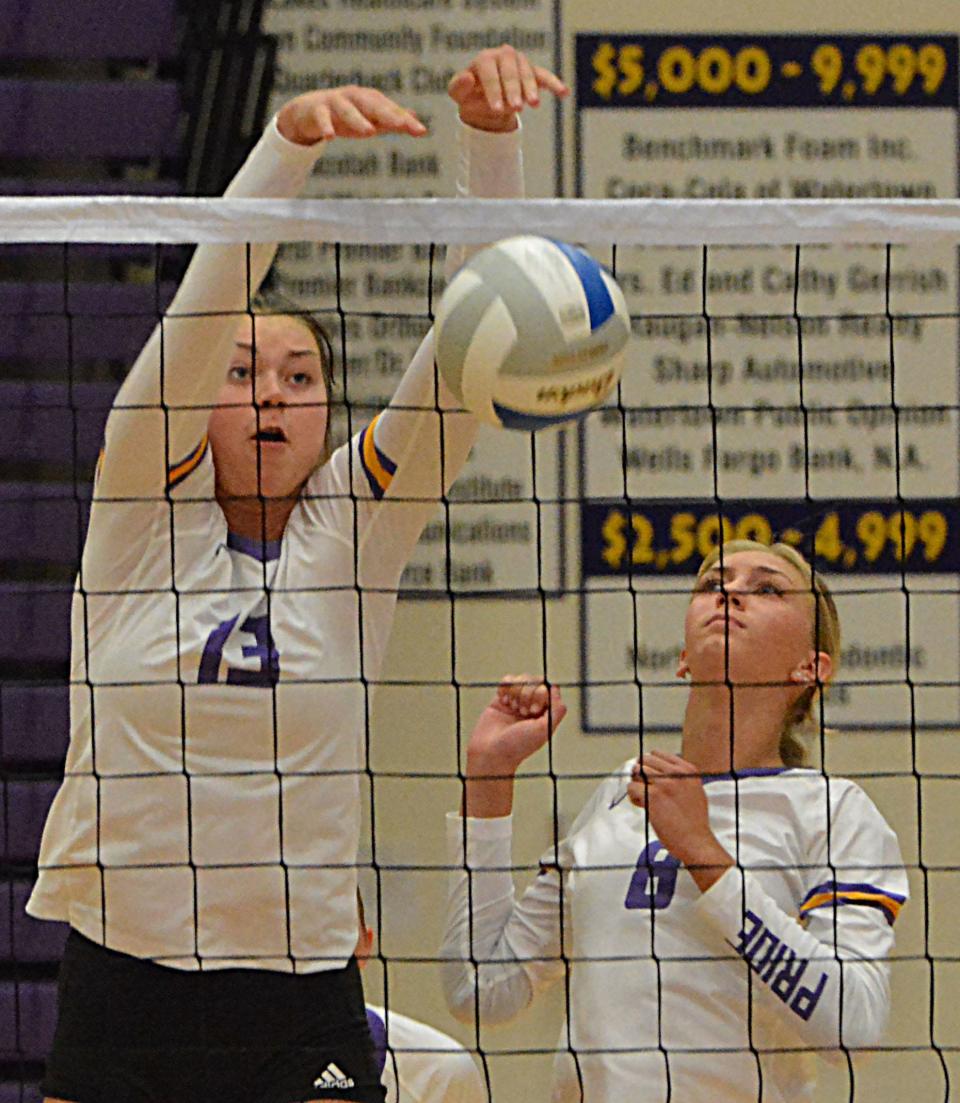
[794,376]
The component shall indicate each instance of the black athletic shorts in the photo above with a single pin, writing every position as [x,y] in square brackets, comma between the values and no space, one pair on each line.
[132,1031]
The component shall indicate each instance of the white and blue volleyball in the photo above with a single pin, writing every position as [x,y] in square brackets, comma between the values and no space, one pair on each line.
[531,332]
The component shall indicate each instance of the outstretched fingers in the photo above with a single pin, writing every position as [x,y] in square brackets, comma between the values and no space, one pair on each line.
[499,75]
[545,79]
[358,112]
[349,111]
[508,78]
[388,116]
[497,85]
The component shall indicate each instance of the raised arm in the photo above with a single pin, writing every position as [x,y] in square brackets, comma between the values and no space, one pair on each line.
[414,450]
[490,94]
[159,418]
[499,951]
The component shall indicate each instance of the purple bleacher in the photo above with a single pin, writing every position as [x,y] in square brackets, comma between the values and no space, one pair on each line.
[83,299]
[43,522]
[34,723]
[59,29]
[23,938]
[95,119]
[108,321]
[52,339]
[36,622]
[26,802]
[28,1017]
[67,261]
[13,1091]
[13,185]
[54,423]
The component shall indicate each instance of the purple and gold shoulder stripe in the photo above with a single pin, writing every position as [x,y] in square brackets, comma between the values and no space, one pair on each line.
[377,465]
[841,893]
[177,472]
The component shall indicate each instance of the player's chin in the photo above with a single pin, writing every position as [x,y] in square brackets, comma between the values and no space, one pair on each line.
[726,667]
[268,484]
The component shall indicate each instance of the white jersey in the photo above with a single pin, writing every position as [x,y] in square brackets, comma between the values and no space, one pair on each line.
[420,1064]
[676,994]
[210,811]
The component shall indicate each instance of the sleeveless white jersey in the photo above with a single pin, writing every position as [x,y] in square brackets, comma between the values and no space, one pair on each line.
[420,1064]
[676,994]
[210,811]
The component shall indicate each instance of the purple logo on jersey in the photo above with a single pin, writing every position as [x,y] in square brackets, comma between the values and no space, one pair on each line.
[263,648]
[778,966]
[654,880]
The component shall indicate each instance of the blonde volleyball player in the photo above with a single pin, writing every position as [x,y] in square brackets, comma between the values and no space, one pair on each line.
[418,1064]
[235,596]
[724,913]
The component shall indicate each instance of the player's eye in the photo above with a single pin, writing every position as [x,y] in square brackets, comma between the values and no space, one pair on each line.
[769,588]
[238,373]
[710,584]
[301,378]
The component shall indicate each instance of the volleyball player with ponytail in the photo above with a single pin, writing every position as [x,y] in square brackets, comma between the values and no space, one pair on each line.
[721,915]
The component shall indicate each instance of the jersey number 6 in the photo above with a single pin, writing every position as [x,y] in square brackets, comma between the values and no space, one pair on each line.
[655,878]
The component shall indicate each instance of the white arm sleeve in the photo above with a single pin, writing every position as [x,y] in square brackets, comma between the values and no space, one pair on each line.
[830,981]
[489,166]
[407,459]
[499,952]
[159,417]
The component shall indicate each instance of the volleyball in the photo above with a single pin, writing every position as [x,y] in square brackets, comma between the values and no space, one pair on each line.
[531,332]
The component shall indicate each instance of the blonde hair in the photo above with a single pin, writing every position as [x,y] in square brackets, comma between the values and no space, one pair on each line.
[800,723]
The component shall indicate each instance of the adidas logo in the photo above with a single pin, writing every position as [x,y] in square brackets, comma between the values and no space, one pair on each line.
[333,1077]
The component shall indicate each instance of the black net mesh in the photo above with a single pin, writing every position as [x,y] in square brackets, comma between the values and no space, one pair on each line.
[805,393]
